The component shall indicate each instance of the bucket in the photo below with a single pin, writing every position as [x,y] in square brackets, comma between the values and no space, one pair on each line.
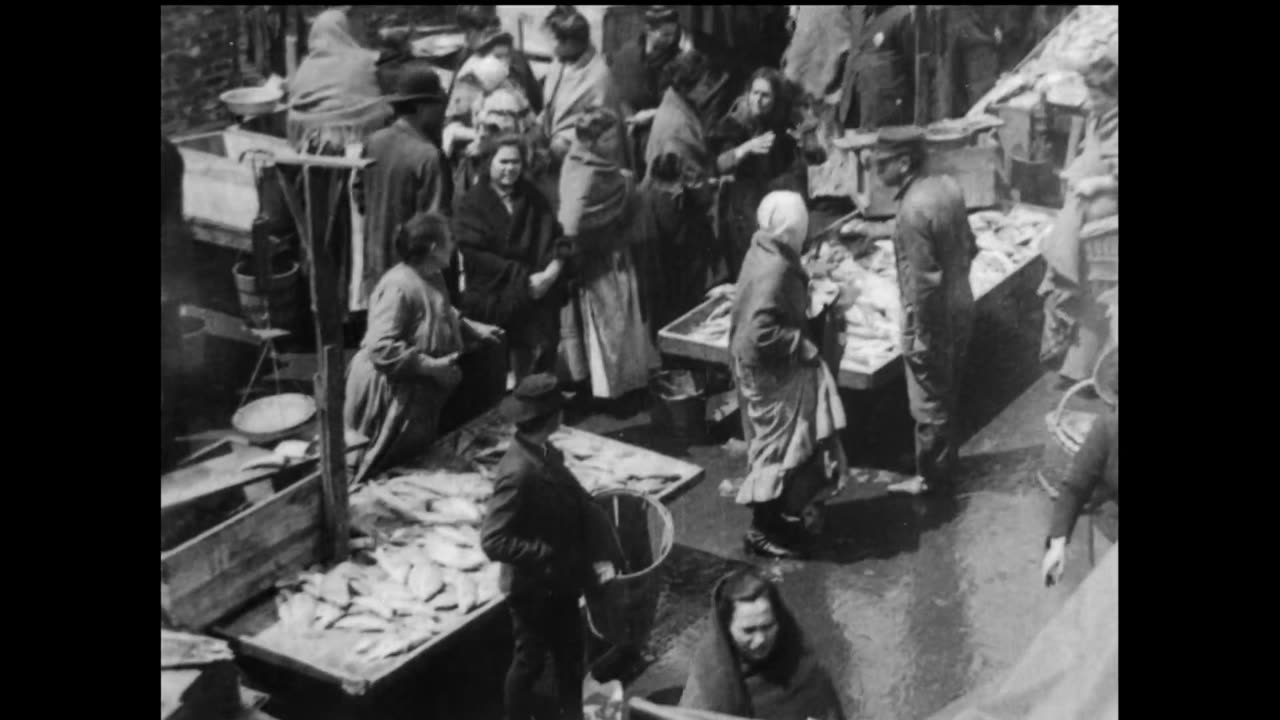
[193,344]
[278,308]
[623,610]
[679,404]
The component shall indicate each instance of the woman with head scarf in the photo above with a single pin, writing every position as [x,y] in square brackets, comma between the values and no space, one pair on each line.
[1075,328]
[597,206]
[335,99]
[754,663]
[407,365]
[757,148]
[791,407]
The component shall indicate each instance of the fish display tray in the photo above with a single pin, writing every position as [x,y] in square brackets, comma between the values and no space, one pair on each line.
[678,339]
[327,656]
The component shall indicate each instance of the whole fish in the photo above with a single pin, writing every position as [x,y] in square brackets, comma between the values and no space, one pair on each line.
[464,535]
[464,588]
[425,581]
[375,606]
[450,555]
[325,616]
[389,591]
[446,600]
[394,566]
[335,588]
[447,484]
[461,508]
[362,623]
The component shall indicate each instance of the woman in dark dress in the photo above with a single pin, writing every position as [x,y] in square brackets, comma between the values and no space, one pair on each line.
[511,256]
[754,144]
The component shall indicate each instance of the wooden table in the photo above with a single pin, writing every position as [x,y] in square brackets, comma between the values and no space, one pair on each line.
[321,658]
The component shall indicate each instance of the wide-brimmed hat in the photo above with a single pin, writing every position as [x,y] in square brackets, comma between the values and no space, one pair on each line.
[490,36]
[536,396]
[417,81]
[900,140]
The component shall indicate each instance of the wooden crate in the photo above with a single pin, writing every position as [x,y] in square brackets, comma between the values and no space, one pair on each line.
[327,657]
[219,193]
[220,570]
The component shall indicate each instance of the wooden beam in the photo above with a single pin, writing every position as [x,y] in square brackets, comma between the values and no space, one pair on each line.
[329,387]
[921,20]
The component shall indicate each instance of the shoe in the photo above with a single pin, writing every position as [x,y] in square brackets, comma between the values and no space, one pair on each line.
[758,544]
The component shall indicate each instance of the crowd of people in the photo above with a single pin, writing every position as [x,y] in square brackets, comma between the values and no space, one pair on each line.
[573,218]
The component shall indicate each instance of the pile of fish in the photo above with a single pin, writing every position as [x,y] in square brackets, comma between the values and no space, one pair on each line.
[1054,73]
[868,281]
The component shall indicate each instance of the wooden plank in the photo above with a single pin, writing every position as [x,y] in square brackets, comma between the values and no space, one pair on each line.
[213,574]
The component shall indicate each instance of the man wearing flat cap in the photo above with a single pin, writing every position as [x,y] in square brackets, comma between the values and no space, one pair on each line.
[554,544]
[408,175]
[934,248]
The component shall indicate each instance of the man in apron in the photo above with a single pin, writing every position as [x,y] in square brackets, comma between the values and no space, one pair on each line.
[879,84]
[934,248]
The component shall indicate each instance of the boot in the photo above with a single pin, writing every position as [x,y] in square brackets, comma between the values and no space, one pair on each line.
[757,543]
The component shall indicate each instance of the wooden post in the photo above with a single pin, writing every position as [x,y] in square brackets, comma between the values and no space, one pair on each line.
[920,18]
[333,491]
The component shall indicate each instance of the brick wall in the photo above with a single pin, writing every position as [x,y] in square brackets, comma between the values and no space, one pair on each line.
[203,53]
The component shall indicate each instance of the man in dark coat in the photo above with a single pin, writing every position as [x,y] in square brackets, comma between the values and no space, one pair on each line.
[554,543]
[879,74]
[934,248]
[409,174]
[640,71]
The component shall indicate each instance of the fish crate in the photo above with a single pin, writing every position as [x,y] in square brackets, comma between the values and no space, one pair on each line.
[258,632]
[678,339]
[219,191]
[227,566]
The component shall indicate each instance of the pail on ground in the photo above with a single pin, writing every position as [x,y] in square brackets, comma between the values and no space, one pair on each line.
[194,334]
[623,610]
[279,307]
[679,404]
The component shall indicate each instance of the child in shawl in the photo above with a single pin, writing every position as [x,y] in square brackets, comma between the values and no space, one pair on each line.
[791,407]
[754,663]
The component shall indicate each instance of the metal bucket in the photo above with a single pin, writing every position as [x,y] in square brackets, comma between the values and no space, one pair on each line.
[623,610]
[679,404]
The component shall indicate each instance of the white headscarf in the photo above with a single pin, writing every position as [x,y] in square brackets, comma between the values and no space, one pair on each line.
[784,217]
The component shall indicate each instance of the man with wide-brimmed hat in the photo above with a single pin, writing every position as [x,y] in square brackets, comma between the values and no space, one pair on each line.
[934,248]
[408,175]
[554,544]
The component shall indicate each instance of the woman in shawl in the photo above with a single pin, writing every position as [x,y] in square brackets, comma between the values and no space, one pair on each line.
[757,148]
[683,258]
[406,367]
[512,258]
[597,208]
[1075,328]
[754,663]
[334,99]
[335,102]
[790,404]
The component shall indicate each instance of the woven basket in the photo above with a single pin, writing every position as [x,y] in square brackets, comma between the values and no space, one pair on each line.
[1100,241]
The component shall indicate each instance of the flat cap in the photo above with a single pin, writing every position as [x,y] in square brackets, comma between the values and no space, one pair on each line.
[535,396]
[897,140]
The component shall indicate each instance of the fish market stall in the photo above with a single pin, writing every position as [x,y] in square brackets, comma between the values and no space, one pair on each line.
[1008,262]
[417,578]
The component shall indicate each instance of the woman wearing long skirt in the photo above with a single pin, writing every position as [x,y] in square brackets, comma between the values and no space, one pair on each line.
[790,403]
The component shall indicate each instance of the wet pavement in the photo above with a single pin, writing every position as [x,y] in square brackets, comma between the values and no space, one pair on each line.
[910,603]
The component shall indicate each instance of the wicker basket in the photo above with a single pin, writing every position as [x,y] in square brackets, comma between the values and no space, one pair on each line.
[1100,241]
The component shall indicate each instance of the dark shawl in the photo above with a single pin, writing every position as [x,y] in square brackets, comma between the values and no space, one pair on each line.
[638,75]
[790,685]
[500,250]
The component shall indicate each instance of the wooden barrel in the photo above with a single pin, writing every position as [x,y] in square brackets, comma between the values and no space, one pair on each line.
[279,307]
